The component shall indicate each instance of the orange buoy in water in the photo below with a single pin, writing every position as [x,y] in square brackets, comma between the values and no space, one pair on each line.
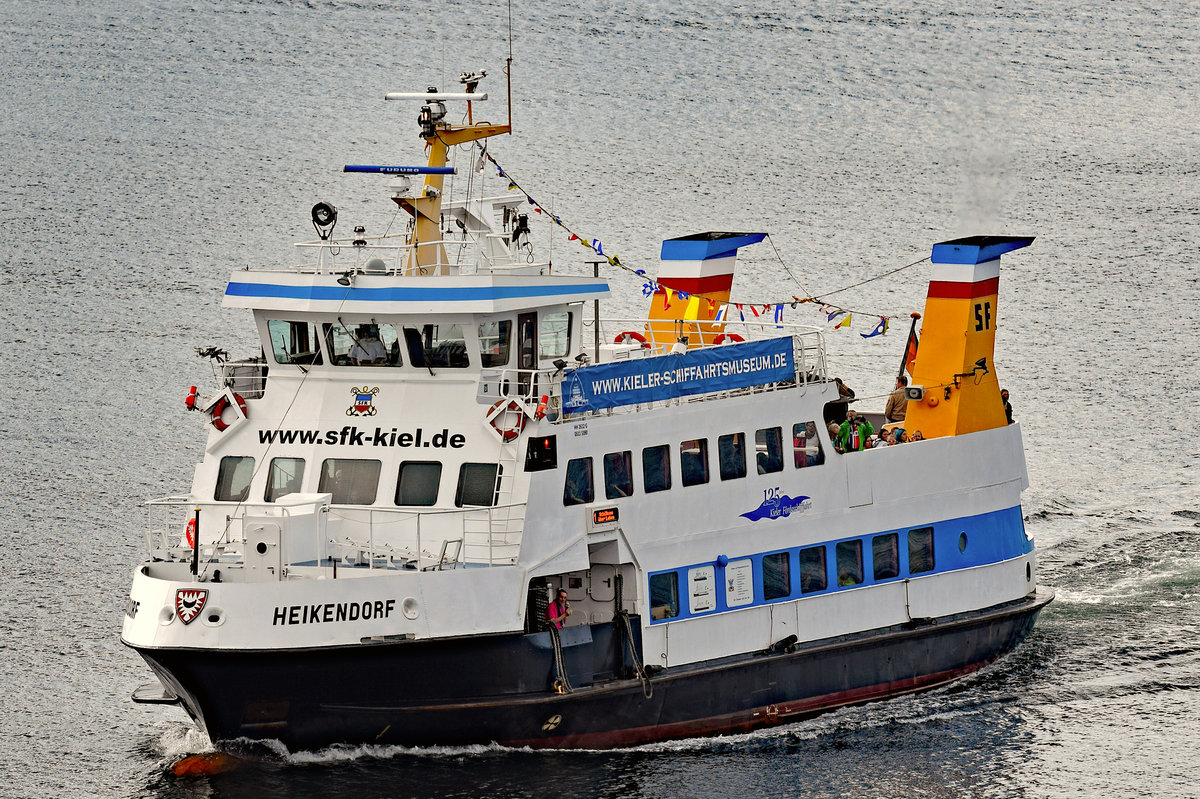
[204,765]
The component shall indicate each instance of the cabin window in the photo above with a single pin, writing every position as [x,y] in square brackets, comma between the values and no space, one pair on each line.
[577,490]
[768,449]
[363,344]
[494,338]
[920,550]
[284,477]
[731,456]
[664,595]
[294,342]
[812,570]
[849,562]
[656,468]
[352,482]
[885,555]
[436,346]
[806,445]
[233,478]
[554,339]
[777,576]
[541,454]
[418,483]
[618,474]
[478,485]
[693,462]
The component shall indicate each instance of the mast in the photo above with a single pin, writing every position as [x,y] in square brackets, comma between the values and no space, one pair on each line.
[428,256]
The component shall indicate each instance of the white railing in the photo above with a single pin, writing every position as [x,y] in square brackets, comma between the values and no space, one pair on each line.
[312,532]
[390,255]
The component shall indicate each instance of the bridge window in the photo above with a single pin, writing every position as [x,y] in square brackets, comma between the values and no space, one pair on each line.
[441,346]
[768,448]
[731,455]
[418,483]
[885,555]
[294,342]
[812,570]
[806,445]
[352,482]
[233,479]
[618,474]
[363,344]
[849,562]
[920,550]
[656,468]
[777,576]
[664,595]
[555,335]
[693,461]
[577,490]
[494,338]
[284,477]
[478,484]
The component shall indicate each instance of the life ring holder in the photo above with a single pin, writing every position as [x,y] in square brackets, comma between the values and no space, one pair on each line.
[222,405]
[721,337]
[504,409]
[631,335]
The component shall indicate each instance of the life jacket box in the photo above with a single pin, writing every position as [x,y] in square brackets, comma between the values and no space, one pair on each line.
[623,352]
[247,379]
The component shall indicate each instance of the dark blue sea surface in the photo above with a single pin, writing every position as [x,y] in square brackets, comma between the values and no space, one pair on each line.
[151,148]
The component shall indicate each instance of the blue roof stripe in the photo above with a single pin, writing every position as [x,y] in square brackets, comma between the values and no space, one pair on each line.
[407,293]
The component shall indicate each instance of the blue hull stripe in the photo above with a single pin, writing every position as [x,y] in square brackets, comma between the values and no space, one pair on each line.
[990,538]
[408,293]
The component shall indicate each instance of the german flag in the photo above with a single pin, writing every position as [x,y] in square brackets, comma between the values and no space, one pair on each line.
[910,349]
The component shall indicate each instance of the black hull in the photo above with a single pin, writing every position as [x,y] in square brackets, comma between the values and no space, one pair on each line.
[480,690]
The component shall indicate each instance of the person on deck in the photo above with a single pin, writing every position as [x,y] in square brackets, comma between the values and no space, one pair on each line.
[854,432]
[559,610]
[897,404]
[1007,405]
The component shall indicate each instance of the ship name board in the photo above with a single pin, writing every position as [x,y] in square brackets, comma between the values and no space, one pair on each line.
[331,612]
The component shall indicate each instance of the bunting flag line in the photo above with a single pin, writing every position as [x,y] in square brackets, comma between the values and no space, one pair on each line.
[833,313]
[879,330]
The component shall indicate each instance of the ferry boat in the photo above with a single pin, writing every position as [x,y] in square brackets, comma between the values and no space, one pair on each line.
[449,503]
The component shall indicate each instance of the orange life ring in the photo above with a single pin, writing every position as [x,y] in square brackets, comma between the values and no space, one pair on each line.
[507,432]
[624,338]
[720,339]
[190,533]
[222,405]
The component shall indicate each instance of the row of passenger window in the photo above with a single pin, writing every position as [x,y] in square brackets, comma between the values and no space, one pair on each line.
[578,488]
[769,577]
[356,481]
[434,346]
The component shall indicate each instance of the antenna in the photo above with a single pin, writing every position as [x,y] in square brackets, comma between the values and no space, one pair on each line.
[508,67]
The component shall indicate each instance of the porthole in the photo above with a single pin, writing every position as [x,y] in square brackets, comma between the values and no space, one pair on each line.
[1028,572]
[962,542]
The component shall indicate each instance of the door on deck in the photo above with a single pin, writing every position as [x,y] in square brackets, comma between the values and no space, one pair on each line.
[527,344]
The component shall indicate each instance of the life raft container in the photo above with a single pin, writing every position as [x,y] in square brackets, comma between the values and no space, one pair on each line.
[222,405]
[500,415]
